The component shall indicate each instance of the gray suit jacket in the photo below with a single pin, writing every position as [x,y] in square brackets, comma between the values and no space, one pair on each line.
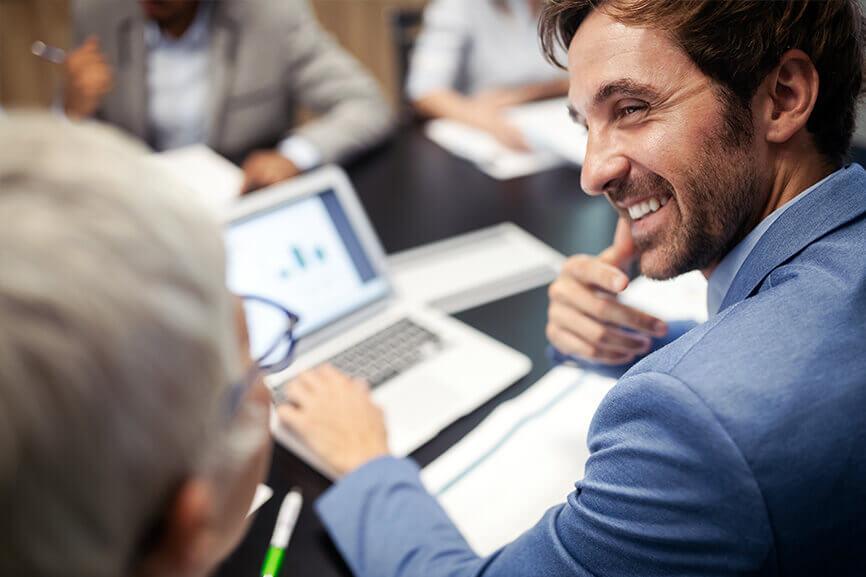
[267,57]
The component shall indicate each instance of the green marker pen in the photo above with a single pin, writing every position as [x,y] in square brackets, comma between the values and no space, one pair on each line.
[286,519]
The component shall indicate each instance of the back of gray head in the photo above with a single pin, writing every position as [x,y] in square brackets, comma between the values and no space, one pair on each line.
[116,345]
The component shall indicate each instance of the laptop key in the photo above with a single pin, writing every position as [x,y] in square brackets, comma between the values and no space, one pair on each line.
[387,353]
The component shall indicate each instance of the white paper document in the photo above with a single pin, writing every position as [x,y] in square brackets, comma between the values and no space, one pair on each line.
[681,298]
[263,493]
[475,268]
[482,149]
[216,181]
[524,458]
[546,126]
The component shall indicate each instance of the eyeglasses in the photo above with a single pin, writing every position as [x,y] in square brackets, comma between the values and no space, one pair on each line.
[272,342]
[271,329]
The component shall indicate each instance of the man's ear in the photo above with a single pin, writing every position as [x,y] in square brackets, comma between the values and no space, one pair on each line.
[789,94]
[183,546]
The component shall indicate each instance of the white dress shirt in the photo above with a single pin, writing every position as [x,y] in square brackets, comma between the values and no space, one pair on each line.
[472,45]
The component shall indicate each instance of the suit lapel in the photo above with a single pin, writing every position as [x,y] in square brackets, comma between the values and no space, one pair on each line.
[132,73]
[826,208]
[223,55]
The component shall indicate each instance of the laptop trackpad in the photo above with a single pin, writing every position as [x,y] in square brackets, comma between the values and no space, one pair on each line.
[417,406]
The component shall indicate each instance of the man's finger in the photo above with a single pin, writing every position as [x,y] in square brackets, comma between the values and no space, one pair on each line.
[332,374]
[609,310]
[621,253]
[292,417]
[251,182]
[572,344]
[252,168]
[297,392]
[588,270]
[606,336]
[604,307]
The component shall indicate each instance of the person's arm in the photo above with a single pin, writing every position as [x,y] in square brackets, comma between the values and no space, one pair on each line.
[516,95]
[470,111]
[438,60]
[353,114]
[666,492]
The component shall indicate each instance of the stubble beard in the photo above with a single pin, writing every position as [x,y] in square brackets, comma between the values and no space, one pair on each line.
[715,207]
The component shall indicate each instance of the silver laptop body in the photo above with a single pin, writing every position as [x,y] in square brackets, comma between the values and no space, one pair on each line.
[308,245]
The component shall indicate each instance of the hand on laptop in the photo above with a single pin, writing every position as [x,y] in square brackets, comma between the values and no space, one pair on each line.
[336,417]
[584,317]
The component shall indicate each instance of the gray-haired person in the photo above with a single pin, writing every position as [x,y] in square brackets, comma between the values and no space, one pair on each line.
[132,428]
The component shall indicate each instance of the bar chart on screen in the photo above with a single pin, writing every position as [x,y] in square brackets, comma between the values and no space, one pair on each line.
[303,260]
[298,256]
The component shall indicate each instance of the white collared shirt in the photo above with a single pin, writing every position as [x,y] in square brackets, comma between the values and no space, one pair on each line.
[723,275]
[471,46]
[178,83]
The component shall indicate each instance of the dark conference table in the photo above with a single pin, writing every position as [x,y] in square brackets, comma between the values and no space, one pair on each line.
[416,193]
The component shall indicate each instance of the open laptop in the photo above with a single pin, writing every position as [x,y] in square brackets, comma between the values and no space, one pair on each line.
[308,245]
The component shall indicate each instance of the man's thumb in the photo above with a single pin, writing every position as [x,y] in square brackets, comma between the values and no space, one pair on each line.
[622,252]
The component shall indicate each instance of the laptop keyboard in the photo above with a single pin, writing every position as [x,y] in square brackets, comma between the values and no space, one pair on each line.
[388,353]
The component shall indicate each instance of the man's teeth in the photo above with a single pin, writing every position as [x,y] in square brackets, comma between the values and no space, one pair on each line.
[642,209]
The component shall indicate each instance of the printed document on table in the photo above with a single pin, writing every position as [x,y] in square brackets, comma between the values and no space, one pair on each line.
[263,493]
[680,298]
[491,157]
[529,452]
[547,127]
[215,181]
[554,140]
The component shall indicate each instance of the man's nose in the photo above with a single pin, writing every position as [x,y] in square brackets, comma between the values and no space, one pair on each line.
[604,166]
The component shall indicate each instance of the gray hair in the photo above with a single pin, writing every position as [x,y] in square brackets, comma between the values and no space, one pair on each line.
[117,344]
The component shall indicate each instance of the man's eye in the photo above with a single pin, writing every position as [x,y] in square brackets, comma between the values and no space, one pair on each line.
[631,109]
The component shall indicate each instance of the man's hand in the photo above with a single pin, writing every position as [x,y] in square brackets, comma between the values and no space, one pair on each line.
[264,168]
[336,418]
[498,125]
[508,134]
[488,115]
[88,79]
[584,317]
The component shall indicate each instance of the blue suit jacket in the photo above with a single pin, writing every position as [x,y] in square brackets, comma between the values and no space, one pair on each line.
[739,449]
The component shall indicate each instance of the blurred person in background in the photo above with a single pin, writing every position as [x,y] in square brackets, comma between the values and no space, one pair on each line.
[474,59]
[133,428]
[231,74]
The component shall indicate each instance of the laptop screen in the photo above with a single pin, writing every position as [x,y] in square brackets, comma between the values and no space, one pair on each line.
[305,255]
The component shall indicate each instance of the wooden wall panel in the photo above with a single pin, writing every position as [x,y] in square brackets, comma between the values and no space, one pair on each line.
[363,27]
[24,79]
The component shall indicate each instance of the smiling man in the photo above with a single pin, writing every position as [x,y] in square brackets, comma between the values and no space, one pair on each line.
[718,131]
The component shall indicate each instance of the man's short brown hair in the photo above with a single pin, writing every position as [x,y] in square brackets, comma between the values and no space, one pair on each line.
[738,42]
